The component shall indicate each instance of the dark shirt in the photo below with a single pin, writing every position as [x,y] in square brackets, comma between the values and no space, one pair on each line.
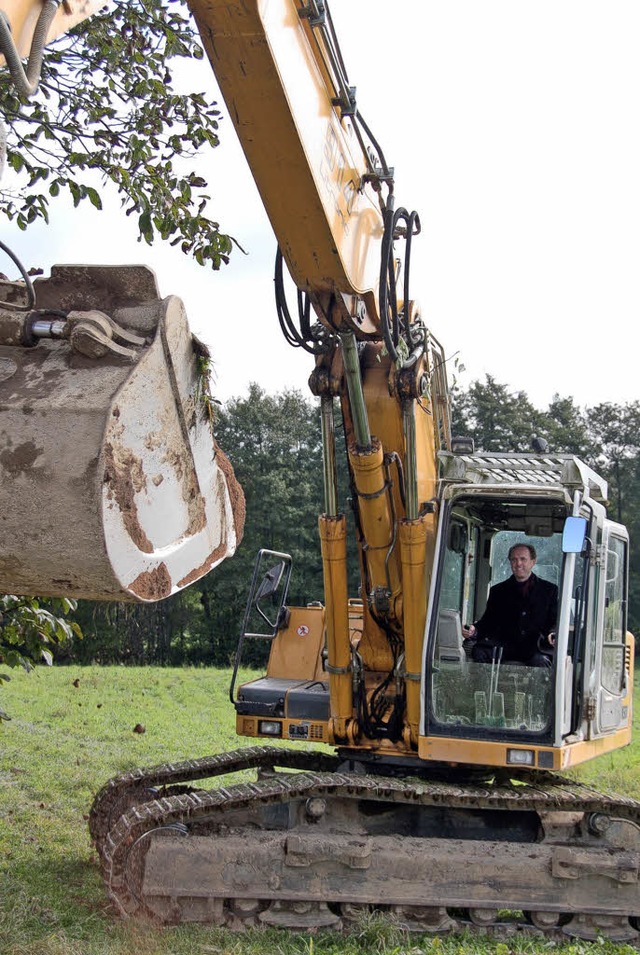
[517,615]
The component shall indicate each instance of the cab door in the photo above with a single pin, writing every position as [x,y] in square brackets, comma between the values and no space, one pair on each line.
[612,659]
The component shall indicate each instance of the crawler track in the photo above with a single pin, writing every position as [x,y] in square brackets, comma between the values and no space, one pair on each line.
[313,848]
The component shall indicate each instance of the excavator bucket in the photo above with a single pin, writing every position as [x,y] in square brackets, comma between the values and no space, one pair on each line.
[112,486]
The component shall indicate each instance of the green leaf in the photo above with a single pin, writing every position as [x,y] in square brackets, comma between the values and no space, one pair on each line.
[94,197]
[75,191]
[15,161]
[145,226]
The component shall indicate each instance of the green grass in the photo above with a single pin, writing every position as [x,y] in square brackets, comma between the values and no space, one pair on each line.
[65,740]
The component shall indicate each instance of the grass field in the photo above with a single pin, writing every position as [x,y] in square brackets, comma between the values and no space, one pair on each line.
[71,729]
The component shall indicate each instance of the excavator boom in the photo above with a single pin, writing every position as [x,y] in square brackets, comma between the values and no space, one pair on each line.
[319,176]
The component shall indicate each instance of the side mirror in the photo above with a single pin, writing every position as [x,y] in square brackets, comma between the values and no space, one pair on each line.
[574,535]
[270,582]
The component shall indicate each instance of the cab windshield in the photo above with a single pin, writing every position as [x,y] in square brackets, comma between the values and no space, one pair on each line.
[492,653]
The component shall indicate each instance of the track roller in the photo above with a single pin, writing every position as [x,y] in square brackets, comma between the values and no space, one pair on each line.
[305,916]
[422,918]
[615,928]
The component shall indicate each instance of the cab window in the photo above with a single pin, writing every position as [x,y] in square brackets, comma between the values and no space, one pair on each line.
[613,649]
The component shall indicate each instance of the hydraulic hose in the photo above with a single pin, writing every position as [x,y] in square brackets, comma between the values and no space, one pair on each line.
[302,337]
[389,317]
[29,290]
[27,82]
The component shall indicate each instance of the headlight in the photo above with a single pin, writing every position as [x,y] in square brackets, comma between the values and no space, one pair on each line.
[521,757]
[270,727]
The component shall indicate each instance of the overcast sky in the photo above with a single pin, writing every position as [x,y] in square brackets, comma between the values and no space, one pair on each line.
[513,127]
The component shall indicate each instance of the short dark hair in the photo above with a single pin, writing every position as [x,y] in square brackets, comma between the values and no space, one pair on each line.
[530,548]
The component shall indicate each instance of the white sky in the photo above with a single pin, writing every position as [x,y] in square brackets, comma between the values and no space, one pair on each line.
[513,127]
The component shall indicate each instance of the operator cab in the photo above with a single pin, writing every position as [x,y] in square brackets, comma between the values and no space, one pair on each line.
[483,690]
[486,696]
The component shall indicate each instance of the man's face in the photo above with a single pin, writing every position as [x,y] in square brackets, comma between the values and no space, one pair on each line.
[521,562]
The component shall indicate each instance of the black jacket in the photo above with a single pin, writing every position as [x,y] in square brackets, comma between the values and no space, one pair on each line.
[516,621]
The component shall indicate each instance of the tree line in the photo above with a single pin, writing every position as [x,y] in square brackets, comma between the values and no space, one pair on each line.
[274,444]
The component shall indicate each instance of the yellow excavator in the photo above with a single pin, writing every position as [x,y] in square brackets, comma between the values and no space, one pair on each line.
[439,800]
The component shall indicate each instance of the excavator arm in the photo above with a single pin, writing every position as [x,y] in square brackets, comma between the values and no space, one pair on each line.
[329,194]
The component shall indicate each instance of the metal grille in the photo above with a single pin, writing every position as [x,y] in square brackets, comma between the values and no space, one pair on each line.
[557,470]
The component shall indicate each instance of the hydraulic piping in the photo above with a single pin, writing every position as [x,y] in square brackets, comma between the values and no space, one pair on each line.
[27,81]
